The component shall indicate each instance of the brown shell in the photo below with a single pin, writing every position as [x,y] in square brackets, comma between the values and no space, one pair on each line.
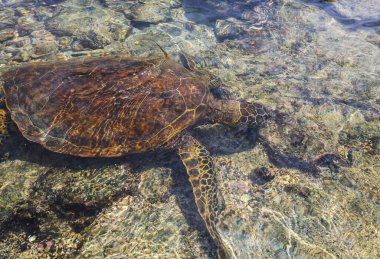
[104,106]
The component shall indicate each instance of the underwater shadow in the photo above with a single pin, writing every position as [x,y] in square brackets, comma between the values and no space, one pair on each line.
[18,148]
[246,140]
[288,161]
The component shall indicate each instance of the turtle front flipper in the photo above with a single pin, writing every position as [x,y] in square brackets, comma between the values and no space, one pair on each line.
[200,168]
[3,125]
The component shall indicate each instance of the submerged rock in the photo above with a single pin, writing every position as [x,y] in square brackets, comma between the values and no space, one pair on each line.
[7,18]
[93,26]
[147,226]
[16,180]
[6,34]
[43,43]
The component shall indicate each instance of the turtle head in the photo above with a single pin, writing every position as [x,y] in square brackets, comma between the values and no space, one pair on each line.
[238,113]
[252,114]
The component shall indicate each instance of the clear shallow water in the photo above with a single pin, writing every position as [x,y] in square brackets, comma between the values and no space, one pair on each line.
[315,61]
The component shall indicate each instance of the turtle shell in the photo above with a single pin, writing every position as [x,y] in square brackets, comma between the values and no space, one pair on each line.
[104,106]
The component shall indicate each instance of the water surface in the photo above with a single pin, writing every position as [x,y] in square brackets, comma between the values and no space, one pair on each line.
[308,188]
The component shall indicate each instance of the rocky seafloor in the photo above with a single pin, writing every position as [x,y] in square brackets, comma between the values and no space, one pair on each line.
[307,188]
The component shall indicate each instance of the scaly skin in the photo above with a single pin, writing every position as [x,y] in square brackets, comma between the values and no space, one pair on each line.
[199,167]
[237,113]
[210,204]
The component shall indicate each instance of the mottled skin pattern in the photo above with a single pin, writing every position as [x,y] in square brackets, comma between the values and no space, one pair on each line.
[109,107]
[200,168]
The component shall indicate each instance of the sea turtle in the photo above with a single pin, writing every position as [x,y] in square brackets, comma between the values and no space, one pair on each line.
[114,106]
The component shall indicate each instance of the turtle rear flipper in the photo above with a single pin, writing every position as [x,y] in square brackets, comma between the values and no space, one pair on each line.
[200,168]
[3,125]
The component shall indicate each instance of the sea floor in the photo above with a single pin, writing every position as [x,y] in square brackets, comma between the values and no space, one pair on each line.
[308,187]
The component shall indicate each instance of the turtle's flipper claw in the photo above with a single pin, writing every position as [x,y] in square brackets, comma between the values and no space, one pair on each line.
[200,168]
[3,125]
